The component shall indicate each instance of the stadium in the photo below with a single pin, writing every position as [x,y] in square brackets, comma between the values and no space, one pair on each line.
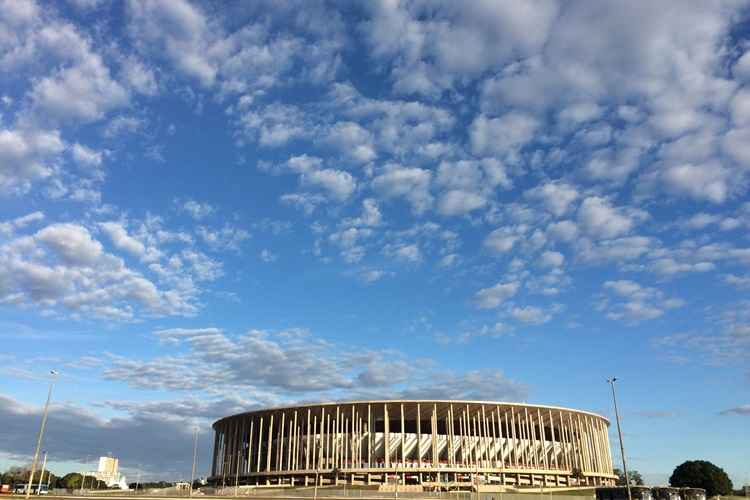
[428,443]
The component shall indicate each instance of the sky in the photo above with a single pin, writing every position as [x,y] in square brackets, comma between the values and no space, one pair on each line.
[212,207]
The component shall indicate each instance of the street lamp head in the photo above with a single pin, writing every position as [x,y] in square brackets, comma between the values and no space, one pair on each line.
[53,373]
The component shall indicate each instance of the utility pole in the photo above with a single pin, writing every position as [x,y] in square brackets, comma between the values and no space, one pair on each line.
[41,477]
[41,433]
[83,474]
[195,456]
[611,382]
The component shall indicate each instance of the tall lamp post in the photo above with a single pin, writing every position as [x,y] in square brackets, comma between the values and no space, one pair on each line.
[611,382]
[41,433]
[195,456]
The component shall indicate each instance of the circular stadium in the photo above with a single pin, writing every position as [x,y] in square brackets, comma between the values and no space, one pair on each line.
[428,443]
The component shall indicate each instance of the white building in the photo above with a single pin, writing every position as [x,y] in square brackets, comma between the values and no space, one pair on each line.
[108,472]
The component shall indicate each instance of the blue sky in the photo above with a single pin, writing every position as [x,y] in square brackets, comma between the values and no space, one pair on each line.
[214,207]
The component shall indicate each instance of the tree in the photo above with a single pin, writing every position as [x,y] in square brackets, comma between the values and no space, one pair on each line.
[16,474]
[71,481]
[635,477]
[702,474]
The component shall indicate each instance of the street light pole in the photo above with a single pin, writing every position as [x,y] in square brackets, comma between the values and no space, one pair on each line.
[195,455]
[611,382]
[41,477]
[41,433]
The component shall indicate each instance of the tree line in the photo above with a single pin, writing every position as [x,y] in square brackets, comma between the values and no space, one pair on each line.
[690,474]
[72,481]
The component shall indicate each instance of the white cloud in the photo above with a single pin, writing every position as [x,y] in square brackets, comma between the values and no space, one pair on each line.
[7,228]
[371,215]
[84,92]
[701,221]
[501,135]
[469,185]
[669,266]
[738,281]
[458,202]
[349,240]
[63,270]
[371,275]
[338,184]
[87,157]
[617,249]
[27,156]
[139,77]
[353,140]
[708,181]
[308,202]
[735,144]
[551,259]
[196,209]
[410,183]
[530,314]
[636,302]
[268,256]
[557,197]
[564,230]
[492,297]
[503,239]
[580,112]
[449,260]
[122,240]
[432,47]
[601,220]
[176,30]
[273,125]
[741,68]
[121,124]
[404,252]
[226,237]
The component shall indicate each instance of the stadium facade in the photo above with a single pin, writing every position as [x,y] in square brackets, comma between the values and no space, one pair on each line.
[413,442]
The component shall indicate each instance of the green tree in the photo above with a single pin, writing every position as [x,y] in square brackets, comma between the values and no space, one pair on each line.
[16,475]
[71,481]
[702,474]
[635,477]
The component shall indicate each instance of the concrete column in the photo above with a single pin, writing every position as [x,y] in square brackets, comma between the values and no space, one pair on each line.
[250,448]
[308,437]
[419,435]
[507,440]
[513,432]
[370,456]
[387,444]
[213,455]
[435,458]
[328,463]
[260,445]
[495,442]
[554,436]
[337,431]
[543,436]
[403,452]
[270,443]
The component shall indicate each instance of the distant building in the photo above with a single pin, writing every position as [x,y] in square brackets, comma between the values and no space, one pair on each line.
[108,472]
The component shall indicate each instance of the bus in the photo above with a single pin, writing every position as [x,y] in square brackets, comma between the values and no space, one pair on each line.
[20,488]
